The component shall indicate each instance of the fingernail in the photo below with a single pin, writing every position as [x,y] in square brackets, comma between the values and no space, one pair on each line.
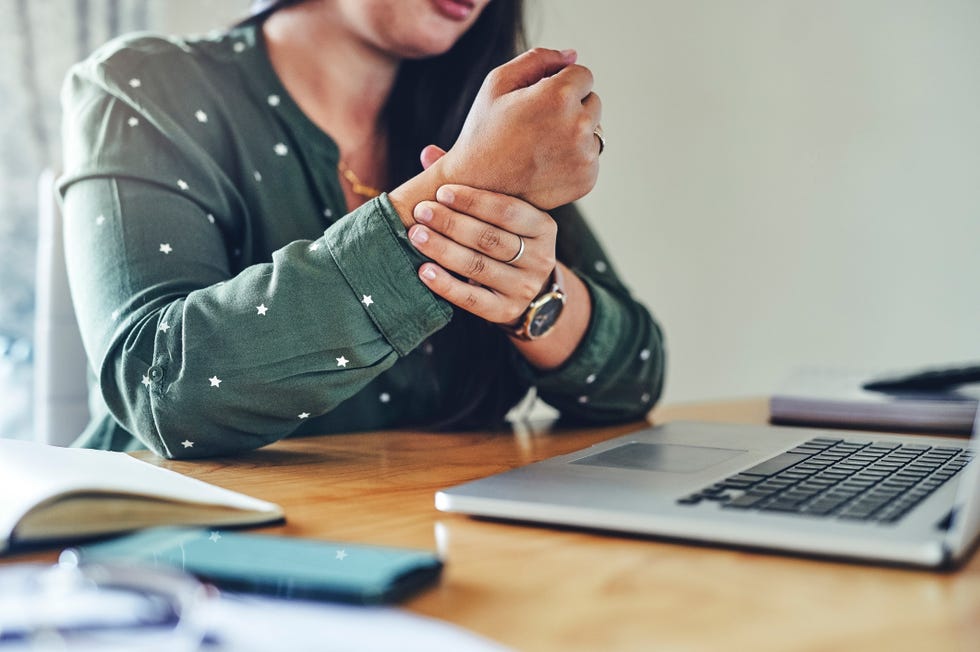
[419,235]
[428,273]
[568,55]
[445,195]
[423,213]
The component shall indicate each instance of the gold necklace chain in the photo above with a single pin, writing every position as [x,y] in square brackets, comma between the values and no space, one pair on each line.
[357,187]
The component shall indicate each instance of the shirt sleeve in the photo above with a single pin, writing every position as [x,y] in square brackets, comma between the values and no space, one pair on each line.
[196,359]
[617,371]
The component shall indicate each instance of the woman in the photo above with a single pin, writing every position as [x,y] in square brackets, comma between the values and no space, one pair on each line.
[239,276]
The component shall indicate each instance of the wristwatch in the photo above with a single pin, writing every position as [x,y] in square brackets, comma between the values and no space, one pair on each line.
[541,316]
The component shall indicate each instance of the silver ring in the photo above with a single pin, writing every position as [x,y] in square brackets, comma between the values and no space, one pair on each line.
[602,138]
[517,256]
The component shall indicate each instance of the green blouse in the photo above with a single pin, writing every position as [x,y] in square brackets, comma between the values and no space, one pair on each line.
[226,301]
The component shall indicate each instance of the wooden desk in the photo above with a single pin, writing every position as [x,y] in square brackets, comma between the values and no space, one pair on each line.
[550,589]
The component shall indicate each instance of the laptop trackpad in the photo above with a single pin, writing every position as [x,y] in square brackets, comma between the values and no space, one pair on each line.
[673,458]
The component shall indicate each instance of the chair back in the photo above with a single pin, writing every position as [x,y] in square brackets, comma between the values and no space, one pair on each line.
[61,408]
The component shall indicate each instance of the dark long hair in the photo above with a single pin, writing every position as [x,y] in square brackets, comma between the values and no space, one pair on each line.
[431,97]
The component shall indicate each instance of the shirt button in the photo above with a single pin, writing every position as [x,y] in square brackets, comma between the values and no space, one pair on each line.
[156,373]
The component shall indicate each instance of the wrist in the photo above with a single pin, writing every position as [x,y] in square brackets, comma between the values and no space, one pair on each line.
[420,187]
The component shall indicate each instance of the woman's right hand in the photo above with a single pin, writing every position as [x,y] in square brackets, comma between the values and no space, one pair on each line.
[530,131]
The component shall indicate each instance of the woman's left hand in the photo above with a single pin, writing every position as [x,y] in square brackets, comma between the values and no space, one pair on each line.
[476,234]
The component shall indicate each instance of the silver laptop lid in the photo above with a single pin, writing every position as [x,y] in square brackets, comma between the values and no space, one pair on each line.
[966,522]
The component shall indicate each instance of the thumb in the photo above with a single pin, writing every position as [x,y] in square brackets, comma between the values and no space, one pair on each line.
[531,67]
[430,154]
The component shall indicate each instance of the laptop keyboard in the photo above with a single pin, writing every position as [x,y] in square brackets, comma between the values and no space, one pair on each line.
[856,480]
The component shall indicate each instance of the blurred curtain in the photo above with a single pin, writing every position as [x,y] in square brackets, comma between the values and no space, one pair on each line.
[38,43]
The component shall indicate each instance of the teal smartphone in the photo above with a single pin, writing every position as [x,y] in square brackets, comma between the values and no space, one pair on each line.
[275,565]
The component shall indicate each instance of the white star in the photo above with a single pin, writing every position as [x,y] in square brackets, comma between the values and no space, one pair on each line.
[238,46]
[135,83]
[257,175]
[182,184]
[165,248]
[201,116]
[273,100]
[280,149]
[314,246]
[261,309]
[342,361]
[304,415]
[366,300]
[645,354]
[583,399]
[146,381]
[187,443]
[427,348]
[215,536]
[645,398]
[100,220]
[600,266]
[210,218]
[341,554]
[115,315]
[590,379]
[132,122]
[215,381]
[164,327]
[328,212]
[384,397]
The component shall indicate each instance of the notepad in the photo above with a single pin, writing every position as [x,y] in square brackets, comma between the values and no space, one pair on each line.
[53,494]
[835,397]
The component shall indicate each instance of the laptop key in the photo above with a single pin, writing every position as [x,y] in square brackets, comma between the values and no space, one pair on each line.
[776,464]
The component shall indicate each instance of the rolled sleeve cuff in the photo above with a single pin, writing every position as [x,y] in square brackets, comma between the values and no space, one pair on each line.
[597,346]
[376,258]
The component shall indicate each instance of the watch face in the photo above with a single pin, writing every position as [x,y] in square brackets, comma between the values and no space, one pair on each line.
[545,316]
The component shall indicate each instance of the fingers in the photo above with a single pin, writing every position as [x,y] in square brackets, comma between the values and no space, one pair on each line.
[503,211]
[473,298]
[430,154]
[463,260]
[529,68]
[575,81]
[470,232]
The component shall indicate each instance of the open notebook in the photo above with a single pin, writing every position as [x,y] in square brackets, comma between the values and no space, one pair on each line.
[53,494]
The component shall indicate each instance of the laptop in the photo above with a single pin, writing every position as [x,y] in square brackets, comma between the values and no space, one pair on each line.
[871,497]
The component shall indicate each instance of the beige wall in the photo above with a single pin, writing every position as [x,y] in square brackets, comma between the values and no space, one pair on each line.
[787,181]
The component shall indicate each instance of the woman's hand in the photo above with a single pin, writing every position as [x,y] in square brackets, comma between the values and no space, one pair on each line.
[474,233]
[530,131]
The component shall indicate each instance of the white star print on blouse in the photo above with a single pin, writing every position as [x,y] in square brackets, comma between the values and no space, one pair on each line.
[187,443]
[146,381]
[273,100]
[645,354]
[384,397]
[328,212]
[215,381]
[342,361]
[165,248]
[182,184]
[314,246]
[261,309]
[281,149]
[164,327]
[238,47]
[201,116]
[304,415]
[645,398]
[600,266]
[590,379]
[100,220]
[210,218]
[132,122]
[257,175]
[366,300]
[114,315]
[135,83]
[583,399]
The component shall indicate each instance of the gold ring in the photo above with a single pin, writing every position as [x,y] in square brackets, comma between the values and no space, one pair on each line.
[517,256]
[602,138]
